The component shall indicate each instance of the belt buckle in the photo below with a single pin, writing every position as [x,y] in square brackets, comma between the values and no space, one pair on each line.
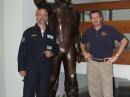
[105,59]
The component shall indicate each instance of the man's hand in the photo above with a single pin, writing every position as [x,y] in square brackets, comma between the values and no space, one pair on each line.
[87,56]
[48,53]
[112,59]
[22,73]
[123,44]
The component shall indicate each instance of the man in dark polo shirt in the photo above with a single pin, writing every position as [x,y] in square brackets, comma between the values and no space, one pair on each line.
[99,42]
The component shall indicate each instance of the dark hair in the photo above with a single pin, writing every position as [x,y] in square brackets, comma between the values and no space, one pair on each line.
[95,11]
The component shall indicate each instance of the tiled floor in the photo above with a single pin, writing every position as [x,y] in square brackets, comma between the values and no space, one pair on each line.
[119,92]
[122,92]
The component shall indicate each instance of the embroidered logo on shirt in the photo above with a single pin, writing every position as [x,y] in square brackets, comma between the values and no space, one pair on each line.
[49,36]
[104,33]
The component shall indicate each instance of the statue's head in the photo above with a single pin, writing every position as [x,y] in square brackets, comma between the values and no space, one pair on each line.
[43,4]
[37,2]
[63,1]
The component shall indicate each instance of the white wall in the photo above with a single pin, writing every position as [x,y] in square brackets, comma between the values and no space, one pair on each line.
[12,28]
[28,14]
[123,14]
[18,14]
[2,87]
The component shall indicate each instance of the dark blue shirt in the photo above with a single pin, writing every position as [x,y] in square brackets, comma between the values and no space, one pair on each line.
[100,43]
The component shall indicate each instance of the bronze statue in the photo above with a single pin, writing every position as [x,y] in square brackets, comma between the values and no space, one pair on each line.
[64,21]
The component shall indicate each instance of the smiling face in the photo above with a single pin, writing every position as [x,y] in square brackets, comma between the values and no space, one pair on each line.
[96,18]
[41,16]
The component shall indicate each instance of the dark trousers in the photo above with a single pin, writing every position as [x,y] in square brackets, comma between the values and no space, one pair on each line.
[36,82]
[71,85]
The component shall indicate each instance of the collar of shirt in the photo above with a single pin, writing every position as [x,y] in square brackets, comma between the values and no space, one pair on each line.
[42,31]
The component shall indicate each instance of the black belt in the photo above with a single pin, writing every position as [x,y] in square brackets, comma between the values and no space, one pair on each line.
[100,60]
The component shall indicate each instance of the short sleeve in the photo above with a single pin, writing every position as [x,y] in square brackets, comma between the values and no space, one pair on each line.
[116,34]
[83,38]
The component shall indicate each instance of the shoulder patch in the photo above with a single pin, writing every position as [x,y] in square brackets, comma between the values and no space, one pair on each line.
[23,39]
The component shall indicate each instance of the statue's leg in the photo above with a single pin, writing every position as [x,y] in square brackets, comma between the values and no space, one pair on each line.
[54,78]
[71,84]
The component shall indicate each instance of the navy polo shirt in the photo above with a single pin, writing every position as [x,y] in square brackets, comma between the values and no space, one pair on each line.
[100,43]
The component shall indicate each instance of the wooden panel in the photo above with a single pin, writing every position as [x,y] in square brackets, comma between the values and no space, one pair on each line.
[122,25]
[124,4]
[84,26]
[124,58]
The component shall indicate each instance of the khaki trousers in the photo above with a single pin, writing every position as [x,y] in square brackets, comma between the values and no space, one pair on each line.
[100,79]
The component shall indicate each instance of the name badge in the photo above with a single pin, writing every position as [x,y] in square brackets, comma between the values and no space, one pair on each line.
[50,36]
[33,35]
[49,47]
